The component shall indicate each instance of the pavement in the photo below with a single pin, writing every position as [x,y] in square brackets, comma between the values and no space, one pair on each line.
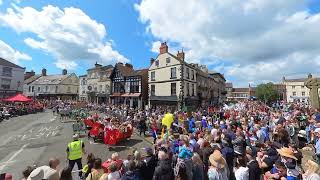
[33,139]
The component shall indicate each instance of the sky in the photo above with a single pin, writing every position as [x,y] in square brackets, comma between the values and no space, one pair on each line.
[249,41]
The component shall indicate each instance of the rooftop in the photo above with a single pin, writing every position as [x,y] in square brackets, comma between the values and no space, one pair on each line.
[7,63]
[51,79]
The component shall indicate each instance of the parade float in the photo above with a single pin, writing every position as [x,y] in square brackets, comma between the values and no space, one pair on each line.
[110,131]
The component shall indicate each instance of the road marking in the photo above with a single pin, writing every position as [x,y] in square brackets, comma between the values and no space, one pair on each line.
[52,119]
[13,156]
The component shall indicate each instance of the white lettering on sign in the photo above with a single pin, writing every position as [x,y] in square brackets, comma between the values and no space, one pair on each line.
[42,132]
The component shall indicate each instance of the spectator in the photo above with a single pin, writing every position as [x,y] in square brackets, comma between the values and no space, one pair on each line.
[130,174]
[66,174]
[27,172]
[255,172]
[90,162]
[97,170]
[241,171]
[218,169]
[150,164]
[312,171]
[114,174]
[198,167]
[164,170]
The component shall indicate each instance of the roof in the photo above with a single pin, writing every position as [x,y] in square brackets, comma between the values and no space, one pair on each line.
[124,70]
[51,79]
[139,72]
[102,67]
[4,62]
[296,80]
[109,72]
[31,79]
[229,85]
[240,90]
[83,75]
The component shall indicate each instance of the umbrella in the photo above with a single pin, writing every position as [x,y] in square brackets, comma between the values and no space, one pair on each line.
[18,98]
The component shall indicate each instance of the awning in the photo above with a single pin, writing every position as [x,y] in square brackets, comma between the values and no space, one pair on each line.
[163,98]
[116,95]
[131,95]
[18,98]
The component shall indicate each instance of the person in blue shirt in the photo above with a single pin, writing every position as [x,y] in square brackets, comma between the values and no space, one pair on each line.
[317,144]
[191,124]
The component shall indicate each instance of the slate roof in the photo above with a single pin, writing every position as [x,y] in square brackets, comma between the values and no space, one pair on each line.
[296,80]
[124,70]
[240,89]
[103,67]
[7,63]
[139,72]
[31,79]
[50,79]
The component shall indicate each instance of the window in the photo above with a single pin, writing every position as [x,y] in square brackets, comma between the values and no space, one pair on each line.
[294,93]
[173,73]
[5,83]
[69,90]
[187,71]
[192,89]
[32,89]
[100,88]
[134,86]
[293,87]
[188,89]
[168,60]
[303,93]
[46,88]
[39,89]
[83,82]
[192,74]
[153,76]
[29,88]
[173,89]
[56,89]
[157,63]
[7,71]
[153,90]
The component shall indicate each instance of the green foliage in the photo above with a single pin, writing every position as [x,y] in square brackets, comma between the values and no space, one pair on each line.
[266,93]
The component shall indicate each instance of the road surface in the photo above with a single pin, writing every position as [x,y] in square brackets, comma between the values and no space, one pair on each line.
[32,139]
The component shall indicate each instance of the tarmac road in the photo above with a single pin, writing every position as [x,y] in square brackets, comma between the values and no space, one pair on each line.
[33,139]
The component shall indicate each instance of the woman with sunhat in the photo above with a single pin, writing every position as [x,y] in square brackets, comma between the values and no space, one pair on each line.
[290,161]
[218,169]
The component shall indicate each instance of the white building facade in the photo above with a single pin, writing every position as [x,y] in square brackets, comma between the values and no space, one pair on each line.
[171,80]
[296,90]
[11,78]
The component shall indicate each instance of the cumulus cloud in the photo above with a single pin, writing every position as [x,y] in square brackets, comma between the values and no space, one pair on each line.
[10,54]
[68,34]
[250,34]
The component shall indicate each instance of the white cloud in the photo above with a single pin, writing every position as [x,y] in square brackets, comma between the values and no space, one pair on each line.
[245,34]
[155,46]
[10,54]
[68,34]
[0,2]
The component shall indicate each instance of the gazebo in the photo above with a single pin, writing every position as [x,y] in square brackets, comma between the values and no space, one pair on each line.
[18,98]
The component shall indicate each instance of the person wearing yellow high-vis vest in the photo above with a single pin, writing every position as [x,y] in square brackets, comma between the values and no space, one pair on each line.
[75,150]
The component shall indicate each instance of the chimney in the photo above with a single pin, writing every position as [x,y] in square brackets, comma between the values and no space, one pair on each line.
[163,48]
[44,72]
[29,74]
[180,55]
[309,76]
[129,65]
[283,78]
[151,61]
[64,72]
[97,65]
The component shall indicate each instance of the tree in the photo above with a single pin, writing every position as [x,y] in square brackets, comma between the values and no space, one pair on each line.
[266,93]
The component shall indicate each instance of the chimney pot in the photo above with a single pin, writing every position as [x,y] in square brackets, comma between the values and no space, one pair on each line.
[44,72]
[180,55]
[151,61]
[64,72]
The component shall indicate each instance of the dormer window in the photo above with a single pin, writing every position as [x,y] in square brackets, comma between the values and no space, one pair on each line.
[168,60]
[157,63]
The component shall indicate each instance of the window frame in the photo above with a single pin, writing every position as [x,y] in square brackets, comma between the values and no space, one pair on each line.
[173,90]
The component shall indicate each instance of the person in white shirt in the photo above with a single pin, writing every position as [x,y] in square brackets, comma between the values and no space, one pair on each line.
[241,171]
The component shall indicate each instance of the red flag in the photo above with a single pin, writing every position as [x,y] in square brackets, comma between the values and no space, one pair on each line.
[96,129]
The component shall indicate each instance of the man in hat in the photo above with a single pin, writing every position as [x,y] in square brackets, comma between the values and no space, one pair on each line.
[75,151]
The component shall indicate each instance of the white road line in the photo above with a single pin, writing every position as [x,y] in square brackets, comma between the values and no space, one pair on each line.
[13,156]
[53,119]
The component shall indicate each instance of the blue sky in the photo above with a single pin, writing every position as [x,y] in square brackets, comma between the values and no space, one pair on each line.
[248,41]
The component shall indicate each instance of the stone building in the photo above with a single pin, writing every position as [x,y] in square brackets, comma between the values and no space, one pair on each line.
[11,78]
[83,88]
[129,86]
[98,83]
[295,89]
[172,81]
[219,90]
[60,86]
[239,94]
